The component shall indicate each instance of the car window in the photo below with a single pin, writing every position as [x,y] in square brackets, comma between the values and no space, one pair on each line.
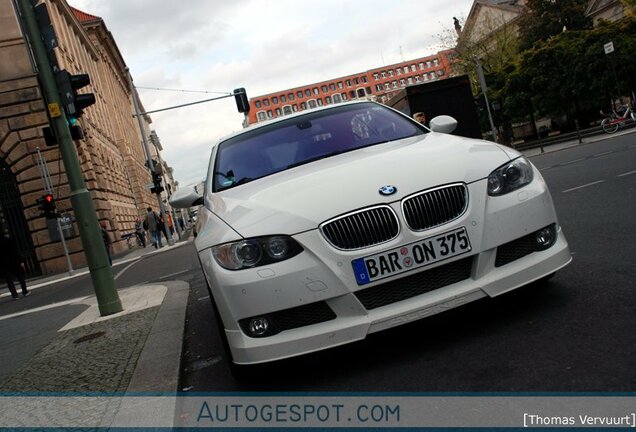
[300,140]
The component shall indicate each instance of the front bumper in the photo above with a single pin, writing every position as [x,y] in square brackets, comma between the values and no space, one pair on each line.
[322,274]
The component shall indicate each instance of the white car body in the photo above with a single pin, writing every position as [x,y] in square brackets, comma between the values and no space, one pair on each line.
[297,202]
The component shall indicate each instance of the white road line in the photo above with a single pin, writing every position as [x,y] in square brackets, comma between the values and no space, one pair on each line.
[78,300]
[173,274]
[582,186]
[573,161]
[203,298]
[603,154]
[626,173]
[126,268]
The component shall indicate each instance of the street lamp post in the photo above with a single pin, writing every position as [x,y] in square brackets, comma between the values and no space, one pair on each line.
[484,91]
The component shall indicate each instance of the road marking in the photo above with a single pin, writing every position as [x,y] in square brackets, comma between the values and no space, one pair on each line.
[573,161]
[626,173]
[126,268]
[583,186]
[174,274]
[78,300]
[203,298]
[603,154]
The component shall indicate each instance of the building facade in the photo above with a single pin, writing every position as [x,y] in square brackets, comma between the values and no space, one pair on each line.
[111,156]
[378,84]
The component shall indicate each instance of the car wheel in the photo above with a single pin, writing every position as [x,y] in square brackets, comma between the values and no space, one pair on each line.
[238,372]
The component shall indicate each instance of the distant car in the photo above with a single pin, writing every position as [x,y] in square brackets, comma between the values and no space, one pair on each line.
[322,227]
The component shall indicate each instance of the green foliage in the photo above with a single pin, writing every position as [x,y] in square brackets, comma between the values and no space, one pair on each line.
[546,18]
[570,73]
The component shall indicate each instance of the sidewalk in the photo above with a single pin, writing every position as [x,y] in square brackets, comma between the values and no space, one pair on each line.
[68,347]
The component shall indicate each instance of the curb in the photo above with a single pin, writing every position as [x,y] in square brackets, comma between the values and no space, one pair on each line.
[159,363]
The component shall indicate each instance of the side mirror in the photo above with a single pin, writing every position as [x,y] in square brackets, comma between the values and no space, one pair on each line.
[443,124]
[186,197]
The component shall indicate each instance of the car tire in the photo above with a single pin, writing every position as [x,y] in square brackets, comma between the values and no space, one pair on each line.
[238,372]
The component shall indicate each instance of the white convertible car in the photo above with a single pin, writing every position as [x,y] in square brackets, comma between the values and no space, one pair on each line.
[321,227]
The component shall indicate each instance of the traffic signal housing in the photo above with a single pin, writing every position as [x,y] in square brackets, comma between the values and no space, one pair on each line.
[46,203]
[74,103]
[156,180]
[242,104]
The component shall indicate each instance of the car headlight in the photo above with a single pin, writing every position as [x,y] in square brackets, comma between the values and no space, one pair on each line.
[510,177]
[255,252]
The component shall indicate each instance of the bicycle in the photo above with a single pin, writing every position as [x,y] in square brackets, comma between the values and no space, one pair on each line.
[613,121]
[132,239]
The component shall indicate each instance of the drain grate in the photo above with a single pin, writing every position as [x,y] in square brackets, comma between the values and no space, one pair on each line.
[89,337]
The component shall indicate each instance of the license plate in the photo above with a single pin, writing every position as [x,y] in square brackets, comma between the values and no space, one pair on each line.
[415,255]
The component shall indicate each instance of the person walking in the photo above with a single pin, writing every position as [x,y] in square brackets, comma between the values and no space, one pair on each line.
[161,226]
[152,221]
[12,266]
[107,242]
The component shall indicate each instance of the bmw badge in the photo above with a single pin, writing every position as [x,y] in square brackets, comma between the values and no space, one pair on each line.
[387,190]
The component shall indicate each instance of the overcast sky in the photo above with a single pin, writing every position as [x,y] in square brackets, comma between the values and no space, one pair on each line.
[261,45]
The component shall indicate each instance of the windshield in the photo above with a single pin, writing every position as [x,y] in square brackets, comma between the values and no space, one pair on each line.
[307,138]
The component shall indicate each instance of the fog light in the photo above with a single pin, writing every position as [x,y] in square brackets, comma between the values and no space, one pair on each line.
[546,237]
[259,326]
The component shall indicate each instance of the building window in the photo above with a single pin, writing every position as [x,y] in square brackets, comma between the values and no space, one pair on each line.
[376,76]
[275,100]
[295,108]
[337,98]
[417,78]
[364,79]
[299,94]
[316,91]
[307,92]
[387,85]
[367,90]
[278,112]
[378,87]
[344,96]
[287,109]
[410,80]
[356,81]
[332,87]
[413,68]
[266,102]
[328,100]
[261,115]
[399,71]
[348,83]
[257,104]
[311,103]
[391,73]
[402,82]
[440,72]
[383,74]
[283,98]
[428,64]
[269,114]
[290,96]
[360,92]
[432,75]
[421,65]
[340,86]
[436,62]
[324,89]
[303,106]
[425,76]
[319,100]
[394,84]
[352,94]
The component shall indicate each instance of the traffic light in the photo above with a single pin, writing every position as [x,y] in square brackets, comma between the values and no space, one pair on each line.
[47,32]
[156,180]
[46,203]
[74,103]
[242,104]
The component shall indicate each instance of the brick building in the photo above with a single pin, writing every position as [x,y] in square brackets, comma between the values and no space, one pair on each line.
[379,83]
[111,155]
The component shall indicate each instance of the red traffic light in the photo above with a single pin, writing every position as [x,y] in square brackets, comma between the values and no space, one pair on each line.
[48,198]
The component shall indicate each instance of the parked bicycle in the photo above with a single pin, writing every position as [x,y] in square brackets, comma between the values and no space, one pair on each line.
[132,239]
[615,120]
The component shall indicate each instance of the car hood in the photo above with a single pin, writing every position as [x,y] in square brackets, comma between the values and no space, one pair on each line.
[301,198]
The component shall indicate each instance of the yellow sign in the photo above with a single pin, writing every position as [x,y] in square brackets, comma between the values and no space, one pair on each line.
[54,110]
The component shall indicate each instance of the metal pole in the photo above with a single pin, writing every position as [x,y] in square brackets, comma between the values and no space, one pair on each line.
[144,139]
[101,272]
[484,91]
[174,221]
[46,178]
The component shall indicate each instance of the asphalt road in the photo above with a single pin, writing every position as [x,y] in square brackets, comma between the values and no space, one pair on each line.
[575,333]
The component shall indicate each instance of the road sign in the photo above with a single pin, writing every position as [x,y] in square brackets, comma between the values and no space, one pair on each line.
[609,47]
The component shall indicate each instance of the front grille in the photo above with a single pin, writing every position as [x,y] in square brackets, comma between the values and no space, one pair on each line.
[292,318]
[435,207]
[362,228]
[416,284]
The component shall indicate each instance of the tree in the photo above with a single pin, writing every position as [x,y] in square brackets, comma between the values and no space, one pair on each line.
[543,19]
